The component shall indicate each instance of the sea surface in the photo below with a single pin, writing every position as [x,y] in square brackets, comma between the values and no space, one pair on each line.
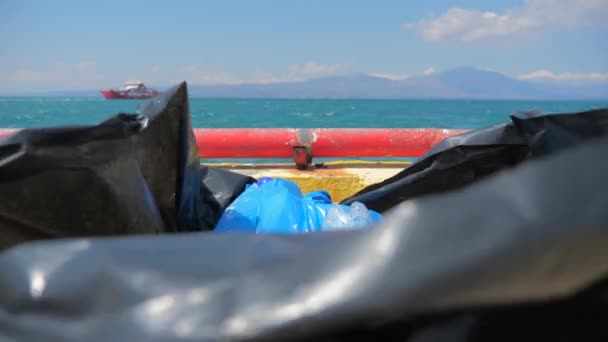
[246,113]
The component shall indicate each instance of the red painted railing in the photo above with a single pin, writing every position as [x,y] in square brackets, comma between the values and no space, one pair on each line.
[303,144]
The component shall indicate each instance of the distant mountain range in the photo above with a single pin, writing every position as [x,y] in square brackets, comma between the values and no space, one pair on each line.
[460,83]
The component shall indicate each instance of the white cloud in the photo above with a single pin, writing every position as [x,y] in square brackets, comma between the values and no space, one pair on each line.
[294,72]
[429,71]
[199,75]
[58,74]
[267,79]
[84,66]
[547,75]
[86,75]
[482,68]
[299,72]
[25,75]
[535,15]
[394,77]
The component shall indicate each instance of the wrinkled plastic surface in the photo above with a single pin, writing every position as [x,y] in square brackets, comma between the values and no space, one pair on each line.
[463,159]
[339,217]
[132,174]
[518,256]
[278,206]
[225,185]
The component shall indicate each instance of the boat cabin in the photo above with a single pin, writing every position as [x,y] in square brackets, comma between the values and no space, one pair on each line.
[133,85]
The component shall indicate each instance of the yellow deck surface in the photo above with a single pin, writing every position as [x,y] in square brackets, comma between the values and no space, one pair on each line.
[341,178]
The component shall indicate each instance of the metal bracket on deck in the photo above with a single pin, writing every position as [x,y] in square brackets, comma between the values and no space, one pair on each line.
[302,156]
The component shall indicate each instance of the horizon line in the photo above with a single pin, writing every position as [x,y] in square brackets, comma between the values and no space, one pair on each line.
[439,98]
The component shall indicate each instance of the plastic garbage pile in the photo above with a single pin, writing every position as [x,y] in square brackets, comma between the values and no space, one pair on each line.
[278,206]
[357,217]
[505,238]
[109,177]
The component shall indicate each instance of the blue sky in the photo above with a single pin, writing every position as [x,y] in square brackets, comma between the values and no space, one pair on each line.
[63,44]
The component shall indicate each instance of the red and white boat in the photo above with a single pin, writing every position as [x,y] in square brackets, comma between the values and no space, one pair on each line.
[130,90]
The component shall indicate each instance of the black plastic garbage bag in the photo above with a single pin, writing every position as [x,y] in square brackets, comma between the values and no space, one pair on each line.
[463,159]
[519,255]
[132,174]
[548,134]
[225,185]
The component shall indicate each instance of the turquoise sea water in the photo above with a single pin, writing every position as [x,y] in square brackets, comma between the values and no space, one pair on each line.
[41,112]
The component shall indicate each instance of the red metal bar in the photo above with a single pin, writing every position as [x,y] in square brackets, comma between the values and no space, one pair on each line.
[246,142]
[7,131]
[322,142]
[393,142]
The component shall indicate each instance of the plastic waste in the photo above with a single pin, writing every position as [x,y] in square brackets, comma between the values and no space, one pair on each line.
[461,160]
[263,180]
[131,174]
[339,218]
[225,186]
[278,206]
[520,256]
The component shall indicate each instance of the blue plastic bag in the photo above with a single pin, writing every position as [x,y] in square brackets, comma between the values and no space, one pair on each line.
[278,206]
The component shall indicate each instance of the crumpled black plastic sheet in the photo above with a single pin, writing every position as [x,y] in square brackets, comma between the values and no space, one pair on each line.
[132,174]
[463,159]
[518,255]
[225,185]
